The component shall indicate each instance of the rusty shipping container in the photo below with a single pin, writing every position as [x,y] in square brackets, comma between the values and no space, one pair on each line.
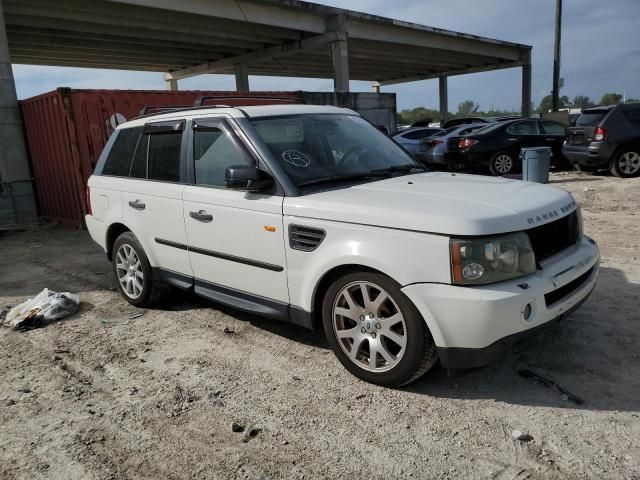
[67,129]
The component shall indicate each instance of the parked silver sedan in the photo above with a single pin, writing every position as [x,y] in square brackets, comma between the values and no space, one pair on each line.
[433,149]
[410,138]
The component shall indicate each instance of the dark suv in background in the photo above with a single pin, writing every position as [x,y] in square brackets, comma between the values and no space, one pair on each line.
[606,138]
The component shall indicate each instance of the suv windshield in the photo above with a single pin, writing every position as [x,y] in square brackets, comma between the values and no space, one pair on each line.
[314,148]
[591,118]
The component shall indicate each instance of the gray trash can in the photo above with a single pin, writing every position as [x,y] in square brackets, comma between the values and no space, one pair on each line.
[535,164]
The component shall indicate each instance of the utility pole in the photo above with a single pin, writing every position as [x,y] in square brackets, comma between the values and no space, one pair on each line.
[555,94]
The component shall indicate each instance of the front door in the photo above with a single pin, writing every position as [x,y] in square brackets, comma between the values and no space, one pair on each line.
[236,239]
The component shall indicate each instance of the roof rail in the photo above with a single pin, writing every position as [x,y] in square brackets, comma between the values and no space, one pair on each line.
[180,108]
[159,108]
[200,100]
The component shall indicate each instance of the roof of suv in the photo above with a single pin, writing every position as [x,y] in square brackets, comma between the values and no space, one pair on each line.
[239,112]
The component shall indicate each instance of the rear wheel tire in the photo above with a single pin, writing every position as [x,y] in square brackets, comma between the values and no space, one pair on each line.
[501,164]
[626,163]
[375,330]
[136,280]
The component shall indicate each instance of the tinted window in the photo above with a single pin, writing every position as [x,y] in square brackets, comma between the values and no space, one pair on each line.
[213,151]
[633,115]
[119,160]
[164,156]
[523,128]
[139,164]
[591,118]
[553,128]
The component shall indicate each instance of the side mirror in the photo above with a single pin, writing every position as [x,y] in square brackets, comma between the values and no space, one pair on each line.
[247,178]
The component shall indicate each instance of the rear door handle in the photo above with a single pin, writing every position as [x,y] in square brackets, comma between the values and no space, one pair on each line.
[201,215]
[137,204]
[551,139]
[512,139]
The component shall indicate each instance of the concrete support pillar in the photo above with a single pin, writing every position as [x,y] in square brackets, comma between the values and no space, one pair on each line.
[444,100]
[340,60]
[375,87]
[242,77]
[526,88]
[17,200]
[172,85]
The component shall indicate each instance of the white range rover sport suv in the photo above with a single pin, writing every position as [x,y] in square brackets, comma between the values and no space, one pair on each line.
[310,215]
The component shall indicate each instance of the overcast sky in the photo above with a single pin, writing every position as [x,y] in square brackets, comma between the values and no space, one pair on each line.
[600,53]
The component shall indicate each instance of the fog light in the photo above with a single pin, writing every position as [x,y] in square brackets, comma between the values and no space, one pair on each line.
[473,271]
[526,313]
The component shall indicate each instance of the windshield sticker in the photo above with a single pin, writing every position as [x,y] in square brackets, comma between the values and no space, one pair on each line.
[295,158]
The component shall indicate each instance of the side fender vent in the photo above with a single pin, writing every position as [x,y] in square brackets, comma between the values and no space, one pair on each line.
[306,239]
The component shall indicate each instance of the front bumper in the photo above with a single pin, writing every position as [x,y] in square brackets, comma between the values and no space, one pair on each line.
[473,326]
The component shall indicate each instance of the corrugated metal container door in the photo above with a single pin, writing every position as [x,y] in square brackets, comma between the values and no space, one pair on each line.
[67,129]
[48,141]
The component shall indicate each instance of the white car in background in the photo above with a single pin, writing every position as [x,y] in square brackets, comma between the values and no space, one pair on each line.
[310,215]
[410,138]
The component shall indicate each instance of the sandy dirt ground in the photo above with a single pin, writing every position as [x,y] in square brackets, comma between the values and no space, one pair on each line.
[102,396]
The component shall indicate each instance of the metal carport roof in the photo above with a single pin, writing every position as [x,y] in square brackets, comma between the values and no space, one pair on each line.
[272,37]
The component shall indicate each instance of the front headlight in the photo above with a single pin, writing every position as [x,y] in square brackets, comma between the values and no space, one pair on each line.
[477,261]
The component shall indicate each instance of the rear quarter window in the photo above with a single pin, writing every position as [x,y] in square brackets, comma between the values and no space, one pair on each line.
[633,115]
[119,158]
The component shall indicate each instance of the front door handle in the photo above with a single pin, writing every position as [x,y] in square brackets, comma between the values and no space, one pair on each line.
[512,139]
[550,139]
[137,204]
[201,215]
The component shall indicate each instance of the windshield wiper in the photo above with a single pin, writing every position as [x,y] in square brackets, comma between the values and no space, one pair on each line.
[399,168]
[343,178]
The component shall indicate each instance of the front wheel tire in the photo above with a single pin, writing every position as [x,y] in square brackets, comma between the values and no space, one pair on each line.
[136,280]
[375,331]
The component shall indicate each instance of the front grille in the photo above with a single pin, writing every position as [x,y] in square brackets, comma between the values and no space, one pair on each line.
[304,238]
[558,294]
[552,238]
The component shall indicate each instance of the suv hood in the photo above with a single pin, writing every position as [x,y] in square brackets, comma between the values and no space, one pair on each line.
[444,203]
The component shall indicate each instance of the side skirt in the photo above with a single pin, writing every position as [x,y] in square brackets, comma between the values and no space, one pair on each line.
[238,299]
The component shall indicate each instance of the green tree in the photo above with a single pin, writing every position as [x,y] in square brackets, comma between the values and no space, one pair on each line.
[467,107]
[632,100]
[611,99]
[407,117]
[546,104]
[581,101]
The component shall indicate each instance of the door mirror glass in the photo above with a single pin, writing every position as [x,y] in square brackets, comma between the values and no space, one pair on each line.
[247,178]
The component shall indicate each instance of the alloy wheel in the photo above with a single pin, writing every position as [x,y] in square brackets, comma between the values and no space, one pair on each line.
[129,271]
[503,164]
[369,326]
[629,163]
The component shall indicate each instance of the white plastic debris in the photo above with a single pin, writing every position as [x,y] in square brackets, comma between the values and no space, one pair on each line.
[44,308]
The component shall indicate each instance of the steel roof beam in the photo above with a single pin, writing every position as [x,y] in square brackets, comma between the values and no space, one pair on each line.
[257,55]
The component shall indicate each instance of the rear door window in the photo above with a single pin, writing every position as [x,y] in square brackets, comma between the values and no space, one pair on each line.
[164,156]
[552,128]
[118,161]
[591,118]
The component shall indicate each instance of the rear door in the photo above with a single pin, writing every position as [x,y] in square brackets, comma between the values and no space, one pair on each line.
[522,134]
[554,136]
[152,195]
[236,238]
